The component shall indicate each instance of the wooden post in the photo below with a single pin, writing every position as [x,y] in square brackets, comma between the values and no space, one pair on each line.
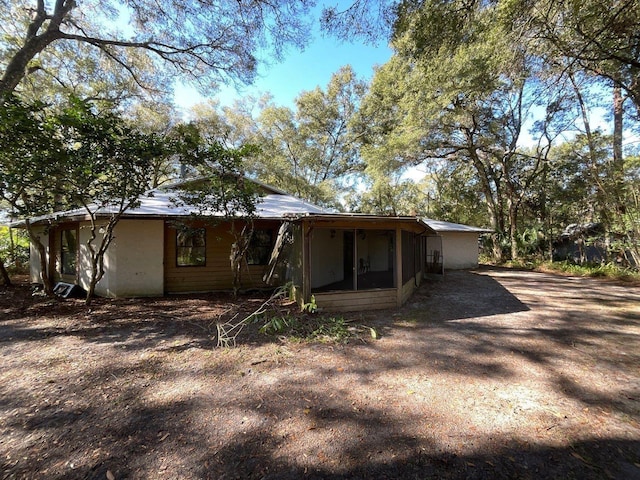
[398,267]
[306,261]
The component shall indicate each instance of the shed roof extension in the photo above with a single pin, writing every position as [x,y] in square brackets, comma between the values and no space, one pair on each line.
[441,226]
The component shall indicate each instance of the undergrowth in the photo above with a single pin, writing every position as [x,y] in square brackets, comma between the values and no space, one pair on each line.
[309,328]
[605,270]
[602,270]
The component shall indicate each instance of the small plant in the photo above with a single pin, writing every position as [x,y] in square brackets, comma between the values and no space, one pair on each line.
[310,307]
[331,329]
[279,324]
[324,329]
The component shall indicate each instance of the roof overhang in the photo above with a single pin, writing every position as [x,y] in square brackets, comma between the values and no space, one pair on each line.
[360,220]
[441,226]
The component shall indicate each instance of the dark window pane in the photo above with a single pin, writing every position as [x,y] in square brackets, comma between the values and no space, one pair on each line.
[260,247]
[69,251]
[191,247]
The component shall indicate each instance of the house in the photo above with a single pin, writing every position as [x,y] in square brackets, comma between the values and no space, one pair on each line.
[345,261]
[459,243]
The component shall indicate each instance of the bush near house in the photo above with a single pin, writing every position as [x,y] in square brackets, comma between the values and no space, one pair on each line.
[14,250]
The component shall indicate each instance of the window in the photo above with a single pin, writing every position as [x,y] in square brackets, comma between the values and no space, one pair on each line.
[191,247]
[260,247]
[68,251]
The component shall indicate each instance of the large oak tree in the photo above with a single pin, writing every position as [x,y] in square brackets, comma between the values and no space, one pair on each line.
[202,40]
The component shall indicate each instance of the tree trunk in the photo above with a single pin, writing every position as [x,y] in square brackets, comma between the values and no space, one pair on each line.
[513,230]
[16,69]
[618,111]
[47,285]
[35,42]
[4,275]
[97,255]
[618,155]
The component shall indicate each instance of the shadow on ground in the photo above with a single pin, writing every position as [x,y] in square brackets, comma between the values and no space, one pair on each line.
[136,389]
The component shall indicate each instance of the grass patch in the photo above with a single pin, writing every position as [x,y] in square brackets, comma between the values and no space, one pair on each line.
[599,270]
[595,270]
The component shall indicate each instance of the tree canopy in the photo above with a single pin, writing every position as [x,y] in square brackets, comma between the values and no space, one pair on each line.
[497,103]
[205,41]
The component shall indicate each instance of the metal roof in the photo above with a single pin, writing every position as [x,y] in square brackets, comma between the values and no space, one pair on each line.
[371,218]
[161,202]
[441,226]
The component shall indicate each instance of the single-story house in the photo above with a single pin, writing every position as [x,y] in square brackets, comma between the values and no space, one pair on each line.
[345,261]
[459,246]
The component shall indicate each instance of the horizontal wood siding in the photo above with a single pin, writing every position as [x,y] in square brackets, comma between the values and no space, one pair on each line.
[409,287]
[354,301]
[216,274]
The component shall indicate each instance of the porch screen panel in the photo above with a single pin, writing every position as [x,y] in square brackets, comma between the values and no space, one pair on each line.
[409,256]
[352,259]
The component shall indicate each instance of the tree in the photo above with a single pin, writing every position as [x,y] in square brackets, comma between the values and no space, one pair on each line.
[471,129]
[311,152]
[600,37]
[30,154]
[52,161]
[460,88]
[107,167]
[219,190]
[205,41]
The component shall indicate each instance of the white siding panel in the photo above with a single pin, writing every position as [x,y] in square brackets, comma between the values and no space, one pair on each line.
[135,259]
[460,250]
[34,258]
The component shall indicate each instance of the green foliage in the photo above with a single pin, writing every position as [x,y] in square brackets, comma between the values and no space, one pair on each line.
[73,157]
[312,329]
[310,151]
[76,42]
[14,248]
[604,270]
[31,153]
[599,37]
[310,307]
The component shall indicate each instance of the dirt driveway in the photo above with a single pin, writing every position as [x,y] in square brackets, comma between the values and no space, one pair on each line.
[487,374]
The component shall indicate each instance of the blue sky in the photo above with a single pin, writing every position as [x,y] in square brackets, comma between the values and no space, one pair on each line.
[300,71]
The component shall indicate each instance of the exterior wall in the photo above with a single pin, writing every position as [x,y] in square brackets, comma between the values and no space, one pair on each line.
[134,260]
[327,258]
[349,301]
[84,260]
[377,299]
[216,274]
[410,287]
[460,250]
[34,259]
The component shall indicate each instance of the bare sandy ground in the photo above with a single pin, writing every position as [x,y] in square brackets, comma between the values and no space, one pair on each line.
[488,374]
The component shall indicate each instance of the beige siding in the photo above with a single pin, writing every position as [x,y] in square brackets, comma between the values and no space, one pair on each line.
[34,258]
[134,261]
[460,250]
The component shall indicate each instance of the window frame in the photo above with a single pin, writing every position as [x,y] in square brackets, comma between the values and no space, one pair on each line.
[202,248]
[66,252]
[263,258]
